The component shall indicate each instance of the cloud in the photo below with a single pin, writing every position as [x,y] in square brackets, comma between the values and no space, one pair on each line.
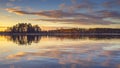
[111,4]
[74,1]
[89,21]
[12,0]
[107,4]
[9,4]
[77,21]
[16,11]
[62,16]
[50,13]
[85,4]
[67,13]
[108,14]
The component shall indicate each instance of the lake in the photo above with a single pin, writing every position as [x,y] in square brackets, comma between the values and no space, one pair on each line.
[34,51]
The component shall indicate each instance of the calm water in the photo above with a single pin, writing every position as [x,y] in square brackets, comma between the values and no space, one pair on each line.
[59,52]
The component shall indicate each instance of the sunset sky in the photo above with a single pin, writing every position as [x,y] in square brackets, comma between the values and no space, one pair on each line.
[61,13]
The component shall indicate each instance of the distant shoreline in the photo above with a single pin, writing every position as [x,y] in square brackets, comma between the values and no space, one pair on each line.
[29,29]
[45,34]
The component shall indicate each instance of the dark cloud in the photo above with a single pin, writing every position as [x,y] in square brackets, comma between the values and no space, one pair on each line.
[108,14]
[51,13]
[12,0]
[77,21]
[68,13]
[74,1]
[85,4]
[107,4]
[62,16]
[111,3]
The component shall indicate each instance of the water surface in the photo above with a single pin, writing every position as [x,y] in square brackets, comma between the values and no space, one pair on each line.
[59,52]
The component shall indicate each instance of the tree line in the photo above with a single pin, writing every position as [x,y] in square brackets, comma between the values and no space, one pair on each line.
[88,31]
[29,28]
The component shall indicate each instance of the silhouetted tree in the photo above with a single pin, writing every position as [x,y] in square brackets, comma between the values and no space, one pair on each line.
[24,28]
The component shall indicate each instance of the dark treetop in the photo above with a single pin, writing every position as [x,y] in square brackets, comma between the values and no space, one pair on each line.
[24,28]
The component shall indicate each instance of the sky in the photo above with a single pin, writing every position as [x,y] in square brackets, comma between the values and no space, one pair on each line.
[61,13]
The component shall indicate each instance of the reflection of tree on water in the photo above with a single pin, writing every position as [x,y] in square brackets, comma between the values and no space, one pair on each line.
[97,37]
[28,39]
[25,39]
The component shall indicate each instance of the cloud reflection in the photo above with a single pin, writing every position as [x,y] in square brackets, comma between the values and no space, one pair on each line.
[78,54]
[85,56]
